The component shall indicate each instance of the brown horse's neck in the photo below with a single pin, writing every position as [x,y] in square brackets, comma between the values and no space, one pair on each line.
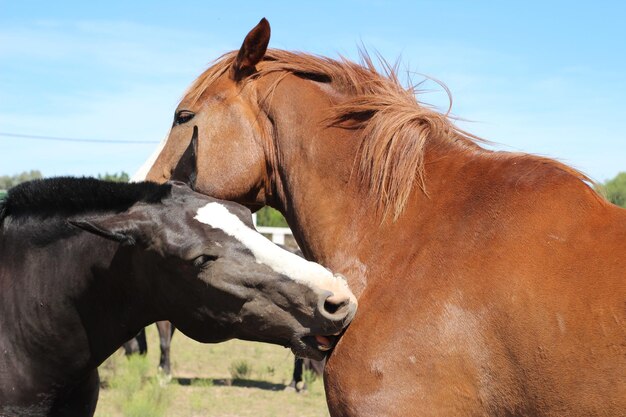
[321,206]
[335,222]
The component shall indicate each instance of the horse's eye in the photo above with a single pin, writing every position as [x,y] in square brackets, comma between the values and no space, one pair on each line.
[202,260]
[183,116]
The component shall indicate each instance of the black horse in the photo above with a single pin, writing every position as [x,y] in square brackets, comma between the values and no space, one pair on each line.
[75,253]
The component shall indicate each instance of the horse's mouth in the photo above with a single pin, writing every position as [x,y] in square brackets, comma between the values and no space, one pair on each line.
[315,346]
[321,343]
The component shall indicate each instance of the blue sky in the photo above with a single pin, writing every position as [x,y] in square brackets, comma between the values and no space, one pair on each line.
[540,77]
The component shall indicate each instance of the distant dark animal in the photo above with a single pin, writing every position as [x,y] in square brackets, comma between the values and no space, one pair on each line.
[489,283]
[86,264]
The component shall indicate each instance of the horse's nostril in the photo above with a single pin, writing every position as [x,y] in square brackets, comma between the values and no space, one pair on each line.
[334,303]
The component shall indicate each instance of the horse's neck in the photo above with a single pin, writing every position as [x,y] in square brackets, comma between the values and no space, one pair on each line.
[327,230]
[334,220]
[121,304]
[337,225]
[74,294]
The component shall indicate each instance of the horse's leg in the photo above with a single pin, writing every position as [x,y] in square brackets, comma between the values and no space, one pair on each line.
[137,344]
[79,401]
[299,365]
[130,347]
[296,379]
[166,331]
[311,365]
[142,344]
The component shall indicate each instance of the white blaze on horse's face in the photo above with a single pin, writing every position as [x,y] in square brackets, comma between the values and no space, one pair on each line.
[284,262]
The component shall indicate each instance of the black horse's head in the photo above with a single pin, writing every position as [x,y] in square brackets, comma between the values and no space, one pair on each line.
[215,277]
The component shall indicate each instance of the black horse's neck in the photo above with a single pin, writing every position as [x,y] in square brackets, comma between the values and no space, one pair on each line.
[119,298]
[83,293]
[73,304]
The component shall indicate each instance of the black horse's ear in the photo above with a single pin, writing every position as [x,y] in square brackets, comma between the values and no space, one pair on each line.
[252,50]
[117,227]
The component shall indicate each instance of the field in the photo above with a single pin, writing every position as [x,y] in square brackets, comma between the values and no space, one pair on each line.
[231,379]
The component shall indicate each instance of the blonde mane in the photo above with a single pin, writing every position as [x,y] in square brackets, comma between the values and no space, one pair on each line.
[393,124]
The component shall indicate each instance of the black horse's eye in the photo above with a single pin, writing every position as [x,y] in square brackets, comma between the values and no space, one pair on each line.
[183,116]
[202,260]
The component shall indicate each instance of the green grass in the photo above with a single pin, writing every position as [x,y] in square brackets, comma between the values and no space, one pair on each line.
[232,379]
[240,370]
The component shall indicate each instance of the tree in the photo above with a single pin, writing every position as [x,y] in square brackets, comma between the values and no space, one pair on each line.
[117,177]
[267,216]
[8,181]
[615,189]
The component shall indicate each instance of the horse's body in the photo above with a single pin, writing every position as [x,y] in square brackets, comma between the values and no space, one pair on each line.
[86,264]
[489,283]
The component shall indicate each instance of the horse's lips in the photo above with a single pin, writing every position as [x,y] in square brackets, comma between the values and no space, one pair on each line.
[324,342]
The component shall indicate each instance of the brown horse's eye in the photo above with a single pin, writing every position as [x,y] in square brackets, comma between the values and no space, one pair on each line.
[183,116]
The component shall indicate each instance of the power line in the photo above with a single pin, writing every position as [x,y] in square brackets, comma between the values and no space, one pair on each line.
[62,139]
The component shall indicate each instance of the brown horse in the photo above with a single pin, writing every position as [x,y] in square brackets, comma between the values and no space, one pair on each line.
[489,283]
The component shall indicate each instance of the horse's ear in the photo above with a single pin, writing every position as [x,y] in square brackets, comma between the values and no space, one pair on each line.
[125,228]
[252,50]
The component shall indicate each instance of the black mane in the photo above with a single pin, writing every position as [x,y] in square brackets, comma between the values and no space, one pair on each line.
[68,196]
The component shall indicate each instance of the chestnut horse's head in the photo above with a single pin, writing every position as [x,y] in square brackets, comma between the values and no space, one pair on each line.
[259,115]
[222,109]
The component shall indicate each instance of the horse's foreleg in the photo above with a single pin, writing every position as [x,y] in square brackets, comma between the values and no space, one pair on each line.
[166,330]
[296,380]
[141,342]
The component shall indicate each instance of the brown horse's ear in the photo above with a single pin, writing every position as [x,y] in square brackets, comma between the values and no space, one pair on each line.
[252,50]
